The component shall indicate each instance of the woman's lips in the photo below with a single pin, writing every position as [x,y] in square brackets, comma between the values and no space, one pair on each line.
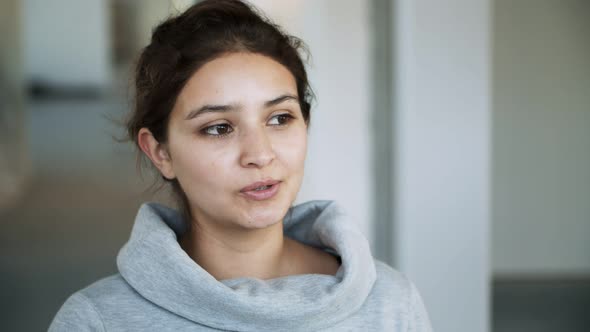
[258,184]
[260,195]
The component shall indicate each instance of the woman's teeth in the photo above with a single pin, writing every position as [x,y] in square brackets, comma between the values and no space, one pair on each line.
[262,188]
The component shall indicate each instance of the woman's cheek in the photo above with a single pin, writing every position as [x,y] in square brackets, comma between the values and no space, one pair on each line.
[296,148]
[195,164]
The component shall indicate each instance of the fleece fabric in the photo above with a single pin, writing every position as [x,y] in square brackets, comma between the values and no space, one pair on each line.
[160,288]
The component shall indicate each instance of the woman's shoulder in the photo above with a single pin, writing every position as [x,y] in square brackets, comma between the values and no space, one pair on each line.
[387,274]
[84,309]
[106,289]
[391,282]
[396,293]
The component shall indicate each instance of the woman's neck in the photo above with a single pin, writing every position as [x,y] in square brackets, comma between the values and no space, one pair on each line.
[260,253]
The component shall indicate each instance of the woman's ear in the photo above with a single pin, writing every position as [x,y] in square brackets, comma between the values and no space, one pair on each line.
[156,151]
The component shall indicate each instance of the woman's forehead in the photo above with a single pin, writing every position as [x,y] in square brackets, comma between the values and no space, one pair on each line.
[237,80]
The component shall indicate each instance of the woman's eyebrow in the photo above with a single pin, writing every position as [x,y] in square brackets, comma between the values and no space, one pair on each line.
[211,108]
[234,107]
[280,99]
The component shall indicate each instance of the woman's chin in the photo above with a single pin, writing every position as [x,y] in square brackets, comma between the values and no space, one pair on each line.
[260,217]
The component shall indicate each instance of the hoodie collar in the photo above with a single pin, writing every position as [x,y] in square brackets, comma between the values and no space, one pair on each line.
[155,265]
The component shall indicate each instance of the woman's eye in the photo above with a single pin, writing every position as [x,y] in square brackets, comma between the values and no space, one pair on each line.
[218,130]
[280,119]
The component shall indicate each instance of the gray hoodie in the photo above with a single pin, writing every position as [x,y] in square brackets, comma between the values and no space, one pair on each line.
[160,288]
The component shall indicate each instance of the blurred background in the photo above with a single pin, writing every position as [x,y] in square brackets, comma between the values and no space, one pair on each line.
[456,132]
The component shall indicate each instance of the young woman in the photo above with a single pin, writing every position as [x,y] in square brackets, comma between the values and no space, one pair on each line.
[222,111]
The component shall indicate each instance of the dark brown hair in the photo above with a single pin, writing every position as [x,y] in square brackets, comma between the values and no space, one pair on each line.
[182,44]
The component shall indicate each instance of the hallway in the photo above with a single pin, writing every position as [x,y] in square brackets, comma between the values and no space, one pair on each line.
[76,214]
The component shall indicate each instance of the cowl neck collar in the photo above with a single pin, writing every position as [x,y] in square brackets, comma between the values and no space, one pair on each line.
[155,265]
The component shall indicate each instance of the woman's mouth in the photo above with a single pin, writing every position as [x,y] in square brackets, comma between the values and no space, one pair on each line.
[263,190]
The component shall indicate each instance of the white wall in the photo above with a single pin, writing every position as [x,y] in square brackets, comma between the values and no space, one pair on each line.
[67,41]
[541,138]
[441,157]
[441,150]
[338,162]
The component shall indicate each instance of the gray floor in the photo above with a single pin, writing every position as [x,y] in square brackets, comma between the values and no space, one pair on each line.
[541,306]
[48,251]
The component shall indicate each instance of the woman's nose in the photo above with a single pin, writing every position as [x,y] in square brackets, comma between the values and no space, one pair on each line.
[257,150]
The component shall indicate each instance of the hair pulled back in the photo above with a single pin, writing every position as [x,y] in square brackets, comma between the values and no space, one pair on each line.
[182,44]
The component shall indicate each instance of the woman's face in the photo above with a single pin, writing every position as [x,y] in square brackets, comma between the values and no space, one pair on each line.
[235,123]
